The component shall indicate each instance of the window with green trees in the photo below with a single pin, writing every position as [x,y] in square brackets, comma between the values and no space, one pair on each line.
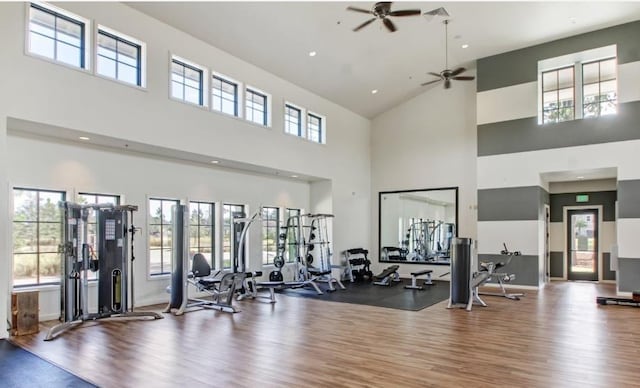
[160,235]
[270,222]
[202,230]
[37,233]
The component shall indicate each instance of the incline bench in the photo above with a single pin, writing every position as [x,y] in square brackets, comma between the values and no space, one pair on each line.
[414,279]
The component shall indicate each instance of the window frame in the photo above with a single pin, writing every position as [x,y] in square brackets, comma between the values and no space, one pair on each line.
[266,115]
[141,81]
[204,75]
[86,35]
[321,128]
[213,216]
[292,250]
[274,243]
[575,60]
[600,81]
[238,105]
[301,123]
[160,274]
[38,283]
[557,91]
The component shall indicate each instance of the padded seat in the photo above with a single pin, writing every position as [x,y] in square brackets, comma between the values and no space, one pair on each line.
[318,272]
[208,283]
[423,272]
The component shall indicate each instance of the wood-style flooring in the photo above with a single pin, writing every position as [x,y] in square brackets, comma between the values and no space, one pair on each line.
[557,337]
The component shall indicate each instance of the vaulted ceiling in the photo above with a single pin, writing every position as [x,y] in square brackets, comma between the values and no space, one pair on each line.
[278,37]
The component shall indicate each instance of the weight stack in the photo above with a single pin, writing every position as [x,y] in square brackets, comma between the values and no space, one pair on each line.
[460,284]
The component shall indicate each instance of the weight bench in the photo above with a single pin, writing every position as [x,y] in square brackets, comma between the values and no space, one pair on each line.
[251,287]
[387,276]
[414,279]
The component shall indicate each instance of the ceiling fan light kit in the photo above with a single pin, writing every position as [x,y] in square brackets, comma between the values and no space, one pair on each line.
[447,74]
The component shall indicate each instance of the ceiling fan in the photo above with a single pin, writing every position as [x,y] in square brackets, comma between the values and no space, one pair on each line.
[447,74]
[382,10]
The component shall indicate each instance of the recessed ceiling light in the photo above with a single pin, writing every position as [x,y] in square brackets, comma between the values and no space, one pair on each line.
[215,161]
[312,53]
[465,45]
[294,176]
[572,20]
[84,138]
[374,91]
[580,177]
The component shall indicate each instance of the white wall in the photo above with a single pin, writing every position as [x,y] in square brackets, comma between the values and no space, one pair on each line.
[427,142]
[44,92]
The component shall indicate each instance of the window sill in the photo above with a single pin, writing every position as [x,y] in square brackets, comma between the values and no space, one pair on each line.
[117,81]
[84,70]
[163,276]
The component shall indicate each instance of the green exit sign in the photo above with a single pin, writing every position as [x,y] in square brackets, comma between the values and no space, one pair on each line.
[582,198]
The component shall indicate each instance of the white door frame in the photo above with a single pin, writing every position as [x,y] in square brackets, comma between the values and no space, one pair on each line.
[565,255]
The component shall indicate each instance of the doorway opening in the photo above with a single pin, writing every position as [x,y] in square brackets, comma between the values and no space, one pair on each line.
[582,244]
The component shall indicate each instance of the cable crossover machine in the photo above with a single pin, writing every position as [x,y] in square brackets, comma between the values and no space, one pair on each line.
[113,263]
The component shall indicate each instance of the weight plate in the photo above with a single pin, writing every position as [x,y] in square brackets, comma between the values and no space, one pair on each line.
[278,261]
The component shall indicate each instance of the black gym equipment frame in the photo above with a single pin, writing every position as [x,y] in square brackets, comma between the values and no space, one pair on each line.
[114,238]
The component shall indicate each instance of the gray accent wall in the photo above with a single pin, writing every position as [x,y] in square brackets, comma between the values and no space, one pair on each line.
[510,203]
[520,66]
[525,268]
[556,269]
[607,273]
[526,134]
[628,274]
[629,198]
[605,198]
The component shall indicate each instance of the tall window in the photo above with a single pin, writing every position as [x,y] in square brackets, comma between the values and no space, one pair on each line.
[224,96]
[270,222]
[119,58]
[186,82]
[201,230]
[160,235]
[92,198]
[292,120]
[558,95]
[291,249]
[56,36]
[314,128]
[256,107]
[37,233]
[599,88]
[228,211]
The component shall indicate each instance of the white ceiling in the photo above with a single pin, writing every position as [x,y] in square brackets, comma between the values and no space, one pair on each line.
[277,36]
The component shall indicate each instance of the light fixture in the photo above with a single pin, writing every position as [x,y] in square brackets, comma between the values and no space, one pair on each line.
[580,177]
[294,176]
[215,161]
[374,91]
[465,46]
[84,138]
[312,53]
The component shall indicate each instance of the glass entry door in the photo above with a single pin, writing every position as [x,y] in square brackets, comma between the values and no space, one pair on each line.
[582,249]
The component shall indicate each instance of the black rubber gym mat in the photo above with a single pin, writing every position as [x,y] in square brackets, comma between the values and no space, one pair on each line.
[19,368]
[394,296]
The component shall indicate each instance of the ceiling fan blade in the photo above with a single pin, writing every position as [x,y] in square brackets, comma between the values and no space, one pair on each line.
[364,24]
[356,9]
[430,82]
[437,12]
[405,12]
[389,24]
[464,78]
[447,83]
[435,74]
[457,71]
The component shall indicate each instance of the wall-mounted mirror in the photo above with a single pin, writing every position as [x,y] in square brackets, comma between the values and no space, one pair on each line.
[417,226]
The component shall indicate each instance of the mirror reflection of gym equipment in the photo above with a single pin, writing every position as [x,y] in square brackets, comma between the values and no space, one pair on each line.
[417,226]
[113,262]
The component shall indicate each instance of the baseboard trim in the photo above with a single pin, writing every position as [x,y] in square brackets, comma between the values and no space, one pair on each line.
[509,286]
